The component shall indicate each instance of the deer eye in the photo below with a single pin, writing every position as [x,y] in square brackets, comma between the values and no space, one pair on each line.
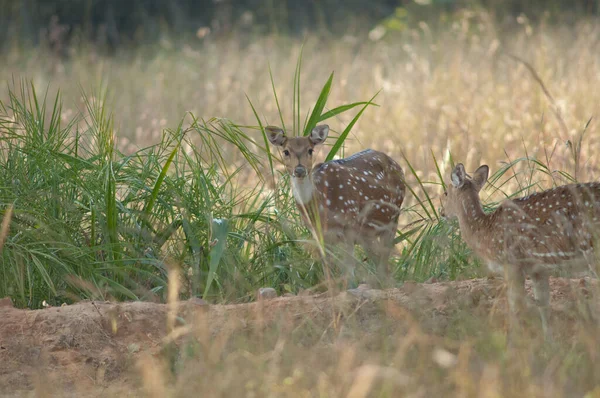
[286,152]
[310,152]
[445,193]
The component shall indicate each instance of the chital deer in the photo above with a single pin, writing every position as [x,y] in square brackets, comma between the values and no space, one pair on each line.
[351,201]
[551,230]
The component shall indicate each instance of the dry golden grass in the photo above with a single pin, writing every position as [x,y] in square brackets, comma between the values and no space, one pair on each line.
[417,341]
[420,340]
[455,90]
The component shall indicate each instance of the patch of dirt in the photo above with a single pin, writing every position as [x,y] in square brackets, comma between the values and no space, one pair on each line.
[94,346]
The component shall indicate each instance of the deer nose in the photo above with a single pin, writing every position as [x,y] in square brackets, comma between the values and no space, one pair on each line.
[442,213]
[300,171]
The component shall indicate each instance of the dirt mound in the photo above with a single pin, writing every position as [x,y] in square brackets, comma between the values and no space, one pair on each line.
[93,347]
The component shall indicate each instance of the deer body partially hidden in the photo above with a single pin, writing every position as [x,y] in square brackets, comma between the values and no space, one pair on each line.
[535,235]
[355,200]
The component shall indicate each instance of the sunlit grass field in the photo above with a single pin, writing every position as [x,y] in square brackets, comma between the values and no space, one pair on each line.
[118,168]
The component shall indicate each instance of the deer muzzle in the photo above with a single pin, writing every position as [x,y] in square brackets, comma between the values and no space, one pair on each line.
[300,171]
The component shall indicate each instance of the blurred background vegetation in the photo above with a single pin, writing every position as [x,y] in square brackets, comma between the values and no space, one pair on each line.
[112,23]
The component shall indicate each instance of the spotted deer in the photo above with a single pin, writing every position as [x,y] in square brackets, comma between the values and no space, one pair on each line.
[348,201]
[535,235]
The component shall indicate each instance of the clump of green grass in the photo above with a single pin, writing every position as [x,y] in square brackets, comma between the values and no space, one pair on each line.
[90,221]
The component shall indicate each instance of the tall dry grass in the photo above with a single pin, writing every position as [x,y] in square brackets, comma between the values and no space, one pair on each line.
[453,89]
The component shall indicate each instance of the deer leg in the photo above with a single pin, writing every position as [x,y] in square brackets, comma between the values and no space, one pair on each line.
[541,292]
[515,280]
[326,245]
[384,250]
[593,264]
[343,257]
[348,265]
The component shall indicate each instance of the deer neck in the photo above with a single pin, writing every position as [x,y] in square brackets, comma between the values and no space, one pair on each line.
[306,199]
[303,189]
[473,221]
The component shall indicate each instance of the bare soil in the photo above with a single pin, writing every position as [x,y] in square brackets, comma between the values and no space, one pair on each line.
[93,347]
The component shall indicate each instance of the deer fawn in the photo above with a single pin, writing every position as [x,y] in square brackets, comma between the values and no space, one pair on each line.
[533,235]
[351,201]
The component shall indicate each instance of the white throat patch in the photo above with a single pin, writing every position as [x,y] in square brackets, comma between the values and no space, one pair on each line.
[303,190]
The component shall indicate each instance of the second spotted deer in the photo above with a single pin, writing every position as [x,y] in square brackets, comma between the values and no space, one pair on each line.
[349,201]
[535,235]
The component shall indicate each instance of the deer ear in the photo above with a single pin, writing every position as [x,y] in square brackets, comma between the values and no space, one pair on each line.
[481,176]
[275,135]
[458,176]
[318,135]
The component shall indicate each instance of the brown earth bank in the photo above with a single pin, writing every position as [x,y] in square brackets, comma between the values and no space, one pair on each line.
[95,347]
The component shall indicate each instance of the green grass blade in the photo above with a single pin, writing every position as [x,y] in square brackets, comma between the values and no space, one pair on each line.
[438,171]
[296,96]
[341,109]
[340,141]
[276,101]
[219,228]
[264,135]
[162,175]
[428,199]
[319,106]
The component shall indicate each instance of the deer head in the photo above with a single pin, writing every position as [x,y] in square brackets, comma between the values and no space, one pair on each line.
[462,189]
[298,151]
